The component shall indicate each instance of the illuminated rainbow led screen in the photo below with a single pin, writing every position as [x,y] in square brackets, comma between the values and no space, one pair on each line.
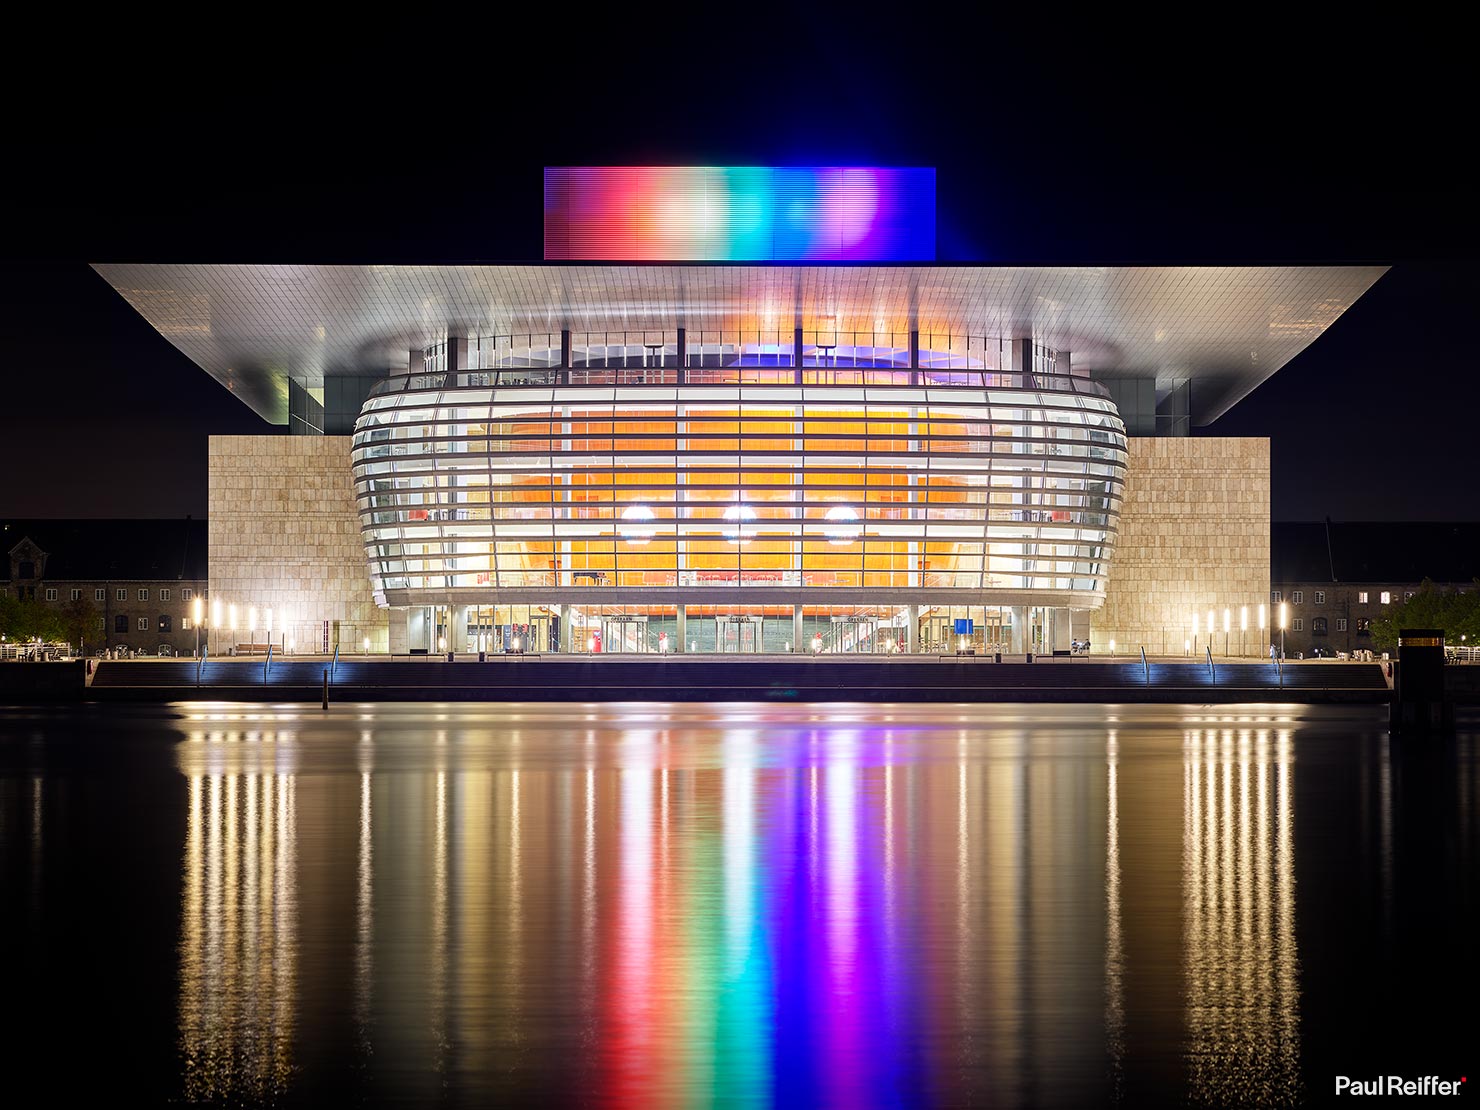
[740,213]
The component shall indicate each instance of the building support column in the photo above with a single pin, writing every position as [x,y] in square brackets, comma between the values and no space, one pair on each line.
[796,629]
[911,628]
[1018,644]
[683,628]
[457,356]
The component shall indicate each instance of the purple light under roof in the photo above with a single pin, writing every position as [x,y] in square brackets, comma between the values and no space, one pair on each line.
[740,213]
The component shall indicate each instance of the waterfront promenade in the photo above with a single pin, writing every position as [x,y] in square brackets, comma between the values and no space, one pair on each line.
[783,678]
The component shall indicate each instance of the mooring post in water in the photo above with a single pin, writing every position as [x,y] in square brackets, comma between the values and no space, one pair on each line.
[1212,674]
[326,687]
[1419,705]
[266,663]
[1145,666]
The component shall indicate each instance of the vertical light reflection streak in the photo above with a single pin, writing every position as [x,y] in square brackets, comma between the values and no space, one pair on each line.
[192,1034]
[437,972]
[631,1050]
[364,927]
[235,1003]
[1114,944]
[516,875]
[251,924]
[844,904]
[890,924]
[1242,992]
[588,882]
[965,989]
[744,1013]
[215,957]
[238,947]
[1287,1002]
[285,933]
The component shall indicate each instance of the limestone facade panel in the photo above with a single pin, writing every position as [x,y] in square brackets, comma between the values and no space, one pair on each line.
[284,534]
[1194,537]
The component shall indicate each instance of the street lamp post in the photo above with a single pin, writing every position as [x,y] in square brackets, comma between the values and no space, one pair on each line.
[1226,618]
[1243,627]
[1261,628]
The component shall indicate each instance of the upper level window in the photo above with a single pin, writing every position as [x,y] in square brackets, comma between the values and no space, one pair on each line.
[1361,597]
[1297,597]
[166,623]
[100,594]
[1320,597]
[76,595]
[1385,597]
[51,595]
[1275,596]
[164,595]
[121,595]
[187,594]
[1298,624]
[143,595]
[1340,624]
[120,623]
[143,624]
[27,569]
[1318,626]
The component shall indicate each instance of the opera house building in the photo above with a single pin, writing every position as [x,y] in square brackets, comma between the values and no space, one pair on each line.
[739,410]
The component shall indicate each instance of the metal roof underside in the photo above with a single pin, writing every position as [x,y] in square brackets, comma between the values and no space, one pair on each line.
[1227,328]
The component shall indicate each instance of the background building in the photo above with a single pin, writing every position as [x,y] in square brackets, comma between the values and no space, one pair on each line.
[139,578]
[1337,578]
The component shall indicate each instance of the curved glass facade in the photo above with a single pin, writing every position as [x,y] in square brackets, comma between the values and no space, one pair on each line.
[973,489]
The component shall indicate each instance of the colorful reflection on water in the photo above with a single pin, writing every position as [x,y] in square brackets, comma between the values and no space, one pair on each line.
[781,909]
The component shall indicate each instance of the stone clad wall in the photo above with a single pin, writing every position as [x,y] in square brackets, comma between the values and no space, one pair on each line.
[1194,536]
[284,532]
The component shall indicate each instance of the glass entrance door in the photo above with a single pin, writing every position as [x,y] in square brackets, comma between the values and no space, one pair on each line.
[856,635]
[739,635]
[625,634]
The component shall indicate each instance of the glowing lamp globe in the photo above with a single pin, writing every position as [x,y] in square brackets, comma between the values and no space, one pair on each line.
[735,518]
[637,528]
[842,526]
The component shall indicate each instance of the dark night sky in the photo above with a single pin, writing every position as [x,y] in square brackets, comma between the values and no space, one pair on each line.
[1208,161]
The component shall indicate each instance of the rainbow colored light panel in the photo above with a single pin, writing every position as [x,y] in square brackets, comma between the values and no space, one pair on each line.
[740,213]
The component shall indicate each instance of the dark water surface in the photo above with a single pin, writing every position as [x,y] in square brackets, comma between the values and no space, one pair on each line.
[671,905]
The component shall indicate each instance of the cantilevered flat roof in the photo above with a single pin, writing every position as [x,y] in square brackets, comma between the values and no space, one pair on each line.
[1227,328]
